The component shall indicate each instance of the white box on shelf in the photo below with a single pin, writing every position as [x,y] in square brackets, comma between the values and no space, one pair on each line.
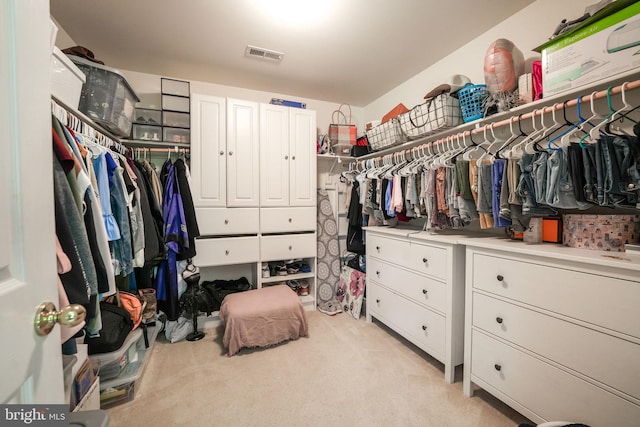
[66,79]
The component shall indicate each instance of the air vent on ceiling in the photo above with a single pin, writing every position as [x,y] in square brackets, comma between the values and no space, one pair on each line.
[258,52]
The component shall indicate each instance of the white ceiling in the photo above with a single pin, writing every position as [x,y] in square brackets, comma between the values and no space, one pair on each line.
[346,51]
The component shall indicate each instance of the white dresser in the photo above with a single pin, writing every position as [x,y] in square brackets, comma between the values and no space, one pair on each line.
[415,285]
[554,332]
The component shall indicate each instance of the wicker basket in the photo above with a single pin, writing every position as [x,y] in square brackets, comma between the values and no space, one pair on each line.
[472,101]
[385,135]
[436,114]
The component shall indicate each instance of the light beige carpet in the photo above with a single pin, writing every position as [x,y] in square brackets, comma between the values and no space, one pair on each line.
[346,373]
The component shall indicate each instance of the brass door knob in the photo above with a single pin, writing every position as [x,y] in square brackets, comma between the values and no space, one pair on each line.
[47,316]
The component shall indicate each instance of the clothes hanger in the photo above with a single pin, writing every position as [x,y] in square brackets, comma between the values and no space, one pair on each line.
[517,150]
[594,115]
[595,131]
[472,149]
[510,140]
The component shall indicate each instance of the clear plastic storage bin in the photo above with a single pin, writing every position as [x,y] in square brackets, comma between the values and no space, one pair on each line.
[106,97]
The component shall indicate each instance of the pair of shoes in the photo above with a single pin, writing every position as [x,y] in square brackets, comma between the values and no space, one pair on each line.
[294,285]
[265,270]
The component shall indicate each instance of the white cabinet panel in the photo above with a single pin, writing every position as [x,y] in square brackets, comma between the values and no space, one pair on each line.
[208,151]
[287,220]
[226,251]
[545,390]
[228,221]
[288,246]
[302,157]
[274,155]
[243,156]
[426,259]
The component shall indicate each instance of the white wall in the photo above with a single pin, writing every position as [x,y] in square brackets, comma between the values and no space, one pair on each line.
[147,87]
[527,29]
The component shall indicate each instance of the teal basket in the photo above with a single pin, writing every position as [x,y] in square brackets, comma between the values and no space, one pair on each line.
[472,101]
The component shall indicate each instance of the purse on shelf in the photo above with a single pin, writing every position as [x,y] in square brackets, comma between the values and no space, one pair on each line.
[342,133]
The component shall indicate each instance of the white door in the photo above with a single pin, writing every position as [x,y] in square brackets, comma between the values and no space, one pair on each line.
[243,156]
[274,155]
[208,151]
[303,157]
[31,364]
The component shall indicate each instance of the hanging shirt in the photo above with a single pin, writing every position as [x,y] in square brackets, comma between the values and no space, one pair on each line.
[102,178]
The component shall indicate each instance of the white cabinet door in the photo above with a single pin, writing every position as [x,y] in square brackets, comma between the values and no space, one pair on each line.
[274,155]
[208,151]
[302,153]
[243,156]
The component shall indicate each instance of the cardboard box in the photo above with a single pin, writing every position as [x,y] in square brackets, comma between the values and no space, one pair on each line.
[601,47]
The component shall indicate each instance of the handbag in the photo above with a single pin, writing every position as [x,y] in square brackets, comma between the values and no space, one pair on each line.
[116,325]
[342,133]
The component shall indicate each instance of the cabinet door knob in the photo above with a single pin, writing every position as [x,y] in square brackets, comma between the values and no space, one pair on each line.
[286,157]
[378,248]
[226,252]
[222,153]
[226,221]
[424,327]
[500,277]
[378,273]
[499,320]
[378,300]
[231,153]
[425,260]
[424,291]
[290,247]
[498,367]
[293,157]
[290,219]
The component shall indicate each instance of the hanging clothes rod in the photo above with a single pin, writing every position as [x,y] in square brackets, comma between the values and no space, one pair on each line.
[87,126]
[512,120]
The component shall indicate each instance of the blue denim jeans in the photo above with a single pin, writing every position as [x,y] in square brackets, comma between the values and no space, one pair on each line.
[559,192]
[526,190]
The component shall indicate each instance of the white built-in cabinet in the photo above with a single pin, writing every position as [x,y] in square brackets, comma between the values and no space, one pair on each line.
[415,285]
[253,174]
[287,152]
[554,332]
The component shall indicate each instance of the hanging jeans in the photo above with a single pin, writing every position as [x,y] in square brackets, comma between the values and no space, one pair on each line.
[526,190]
[559,192]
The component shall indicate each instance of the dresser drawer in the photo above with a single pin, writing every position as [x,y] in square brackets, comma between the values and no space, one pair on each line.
[547,391]
[227,221]
[610,360]
[611,303]
[288,246]
[422,258]
[226,250]
[420,289]
[420,325]
[287,220]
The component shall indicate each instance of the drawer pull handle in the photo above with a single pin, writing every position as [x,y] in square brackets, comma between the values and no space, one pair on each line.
[378,248]
[378,273]
[498,367]
[424,291]
[499,320]
[378,300]
[226,221]
[290,247]
[226,252]
[500,277]
[425,260]
[424,327]
[290,219]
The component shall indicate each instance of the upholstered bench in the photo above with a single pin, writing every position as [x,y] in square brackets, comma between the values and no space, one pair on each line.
[262,317]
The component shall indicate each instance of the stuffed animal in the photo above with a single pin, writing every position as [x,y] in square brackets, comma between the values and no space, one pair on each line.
[503,65]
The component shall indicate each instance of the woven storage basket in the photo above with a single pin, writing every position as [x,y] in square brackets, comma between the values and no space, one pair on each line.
[472,101]
[436,114]
[385,135]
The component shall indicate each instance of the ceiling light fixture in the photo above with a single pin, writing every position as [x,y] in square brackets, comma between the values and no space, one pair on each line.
[259,52]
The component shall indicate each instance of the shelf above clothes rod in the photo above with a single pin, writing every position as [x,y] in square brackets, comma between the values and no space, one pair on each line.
[503,119]
[136,143]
